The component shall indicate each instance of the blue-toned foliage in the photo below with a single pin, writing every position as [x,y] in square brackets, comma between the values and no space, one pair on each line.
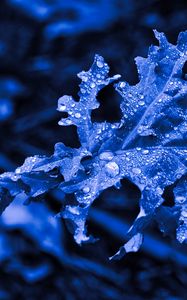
[147,146]
[64,18]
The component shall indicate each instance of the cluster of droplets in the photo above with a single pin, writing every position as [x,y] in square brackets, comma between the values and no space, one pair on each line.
[111,167]
[133,101]
[180,193]
[79,112]
[144,130]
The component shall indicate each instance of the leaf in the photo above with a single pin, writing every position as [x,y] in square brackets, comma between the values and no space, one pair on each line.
[144,105]
[156,106]
[79,113]
[132,245]
[148,146]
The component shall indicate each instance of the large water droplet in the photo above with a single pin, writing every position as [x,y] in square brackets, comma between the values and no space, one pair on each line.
[112,169]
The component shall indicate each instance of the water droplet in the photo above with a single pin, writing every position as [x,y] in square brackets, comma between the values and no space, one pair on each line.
[86,189]
[180,199]
[62,107]
[136,171]
[184,213]
[100,64]
[141,103]
[140,129]
[84,78]
[159,191]
[83,91]
[74,210]
[112,169]
[117,76]
[68,122]
[106,155]
[145,151]
[92,85]
[18,171]
[77,115]
[181,235]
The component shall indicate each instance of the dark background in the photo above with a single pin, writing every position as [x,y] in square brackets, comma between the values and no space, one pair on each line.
[43,45]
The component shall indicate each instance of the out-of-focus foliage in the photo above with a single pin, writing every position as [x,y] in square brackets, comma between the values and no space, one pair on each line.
[42,47]
[72,17]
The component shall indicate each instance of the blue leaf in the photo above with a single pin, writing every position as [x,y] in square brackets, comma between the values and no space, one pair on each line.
[147,146]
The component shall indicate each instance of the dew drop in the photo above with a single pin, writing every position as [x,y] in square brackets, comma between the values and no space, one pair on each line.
[92,85]
[100,64]
[77,115]
[159,191]
[83,91]
[18,171]
[184,213]
[84,78]
[112,169]
[145,151]
[122,84]
[106,155]
[181,235]
[62,107]
[180,199]
[116,77]
[141,103]
[136,171]
[74,210]
[86,189]
[68,122]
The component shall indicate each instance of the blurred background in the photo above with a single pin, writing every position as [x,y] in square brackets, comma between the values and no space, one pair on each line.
[43,45]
